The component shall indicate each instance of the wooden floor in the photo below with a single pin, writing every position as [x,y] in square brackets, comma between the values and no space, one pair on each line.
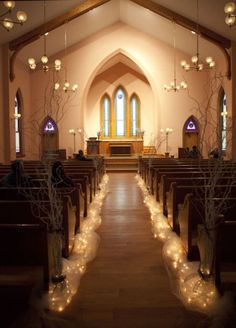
[127,286]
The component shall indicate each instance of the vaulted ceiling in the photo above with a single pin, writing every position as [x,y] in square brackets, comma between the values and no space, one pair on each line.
[133,13]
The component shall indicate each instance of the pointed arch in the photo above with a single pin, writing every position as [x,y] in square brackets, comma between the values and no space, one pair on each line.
[50,136]
[120,112]
[105,116]
[191,132]
[134,115]
[18,117]
[222,120]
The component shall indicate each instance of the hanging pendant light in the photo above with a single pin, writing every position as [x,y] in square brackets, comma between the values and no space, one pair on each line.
[196,64]
[174,86]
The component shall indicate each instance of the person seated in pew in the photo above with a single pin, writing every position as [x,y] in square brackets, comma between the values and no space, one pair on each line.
[17,176]
[59,178]
[194,153]
[215,154]
[80,156]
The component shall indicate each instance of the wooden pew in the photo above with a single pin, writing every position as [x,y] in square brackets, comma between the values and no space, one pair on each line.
[28,212]
[24,253]
[178,191]
[191,214]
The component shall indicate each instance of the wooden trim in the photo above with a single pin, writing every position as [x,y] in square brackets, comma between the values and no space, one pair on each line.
[185,22]
[219,40]
[17,44]
[54,23]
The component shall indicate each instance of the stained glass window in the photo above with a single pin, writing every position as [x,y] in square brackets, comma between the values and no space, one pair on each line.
[190,126]
[120,105]
[17,116]
[134,106]
[49,127]
[106,116]
[223,112]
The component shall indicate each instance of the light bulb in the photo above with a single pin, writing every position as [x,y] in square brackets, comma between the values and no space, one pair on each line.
[21,16]
[187,67]
[209,60]
[212,64]
[67,84]
[200,67]
[31,61]
[229,7]
[9,4]
[230,20]
[44,59]
[194,59]
[183,63]
[57,86]
[57,62]
[8,23]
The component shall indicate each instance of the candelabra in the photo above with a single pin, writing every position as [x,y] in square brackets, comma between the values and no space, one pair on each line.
[196,64]
[173,86]
[167,131]
[73,133]
[230,16]
[44,58]
[7,22]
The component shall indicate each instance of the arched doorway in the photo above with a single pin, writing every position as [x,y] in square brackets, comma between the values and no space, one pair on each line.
[50,139]
[191,133]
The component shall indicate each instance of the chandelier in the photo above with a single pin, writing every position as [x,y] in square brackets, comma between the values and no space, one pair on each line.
[44,58]
[230,16]
[7,22]
[196,64]
[173,86]
[66,86]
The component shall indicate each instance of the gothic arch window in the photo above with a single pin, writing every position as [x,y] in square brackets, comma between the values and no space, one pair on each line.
[120,113]
[106,116]
[18,125]
[223,121]
[120,116]
[134,115]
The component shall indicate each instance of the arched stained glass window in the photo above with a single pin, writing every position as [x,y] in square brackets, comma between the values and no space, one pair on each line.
[120,116]
[120,113]
[106,113]
[134,116]
[18,129]
[223,123]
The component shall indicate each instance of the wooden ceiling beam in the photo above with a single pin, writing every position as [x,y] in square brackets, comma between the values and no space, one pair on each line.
[185,22]
[55,23]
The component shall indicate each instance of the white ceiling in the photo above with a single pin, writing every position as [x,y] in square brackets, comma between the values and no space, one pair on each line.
[211,15]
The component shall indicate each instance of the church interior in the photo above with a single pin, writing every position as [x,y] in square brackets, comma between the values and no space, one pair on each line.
[117,163]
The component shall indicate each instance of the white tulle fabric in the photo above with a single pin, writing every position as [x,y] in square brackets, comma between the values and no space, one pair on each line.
[84,251]
[195,293]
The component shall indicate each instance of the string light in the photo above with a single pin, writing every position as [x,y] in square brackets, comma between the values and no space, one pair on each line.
[85,246]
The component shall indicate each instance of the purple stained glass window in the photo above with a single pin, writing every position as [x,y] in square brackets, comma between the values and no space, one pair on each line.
[190,126]
[49,127]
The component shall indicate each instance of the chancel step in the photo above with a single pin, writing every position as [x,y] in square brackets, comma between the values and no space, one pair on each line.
[119,163]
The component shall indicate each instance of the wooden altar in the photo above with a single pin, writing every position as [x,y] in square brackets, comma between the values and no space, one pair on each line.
[117,147]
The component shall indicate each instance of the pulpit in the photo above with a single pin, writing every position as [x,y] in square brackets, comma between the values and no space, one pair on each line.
[93,146]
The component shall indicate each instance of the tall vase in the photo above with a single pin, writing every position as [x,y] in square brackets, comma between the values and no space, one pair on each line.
[55,257]
[207,239]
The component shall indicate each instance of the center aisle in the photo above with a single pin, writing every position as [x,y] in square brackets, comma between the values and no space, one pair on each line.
[127,285]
